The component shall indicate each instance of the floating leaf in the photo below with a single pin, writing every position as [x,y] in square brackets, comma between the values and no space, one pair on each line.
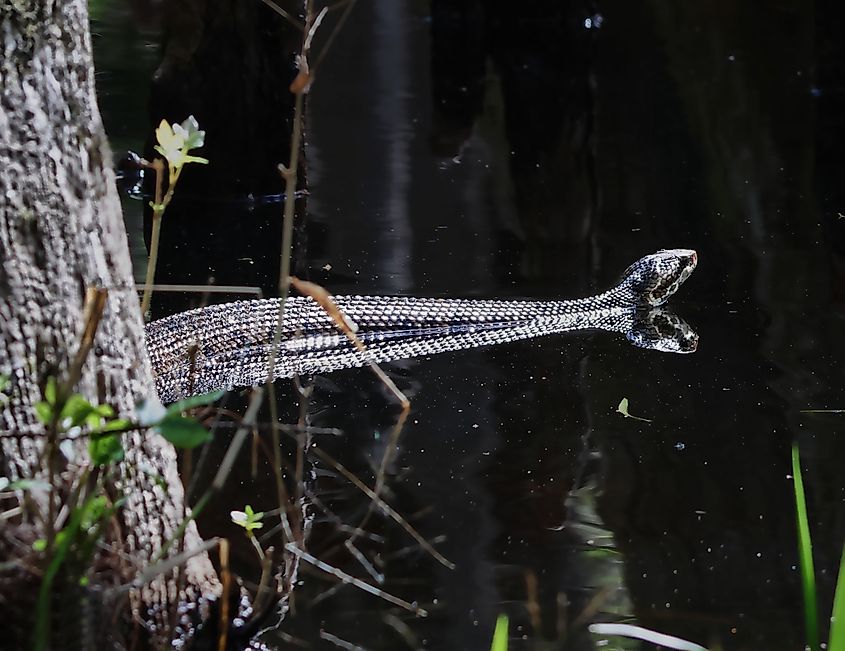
[183,432]
[623,409]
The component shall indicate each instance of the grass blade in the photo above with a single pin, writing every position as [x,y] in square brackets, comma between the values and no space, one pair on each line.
[805,555]
[837,621]
[500,635]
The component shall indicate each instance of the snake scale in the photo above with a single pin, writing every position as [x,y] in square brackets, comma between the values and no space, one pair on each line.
[232,341]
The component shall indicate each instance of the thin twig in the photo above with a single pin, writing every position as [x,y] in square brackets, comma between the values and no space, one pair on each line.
[384,506]
[222,472]
[149,573]
[358,583]
[284,14]
[205,289]
[340,22]
[340,643]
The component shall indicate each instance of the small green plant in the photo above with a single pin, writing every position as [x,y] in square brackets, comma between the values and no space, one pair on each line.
[805,555]
[69,417]
[836,641]
[250,521]
[174,143]
[103,428]
[500,634]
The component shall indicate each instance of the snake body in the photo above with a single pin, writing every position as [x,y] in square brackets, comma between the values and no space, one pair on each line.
[228,345]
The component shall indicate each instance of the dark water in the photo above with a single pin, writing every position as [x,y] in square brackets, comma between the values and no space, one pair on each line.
[479,149]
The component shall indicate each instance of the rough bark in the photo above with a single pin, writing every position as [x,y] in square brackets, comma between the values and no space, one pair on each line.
[61,231]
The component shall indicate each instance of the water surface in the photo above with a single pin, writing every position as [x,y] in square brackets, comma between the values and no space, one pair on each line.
[477,150]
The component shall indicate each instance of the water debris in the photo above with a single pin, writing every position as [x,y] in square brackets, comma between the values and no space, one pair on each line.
[640,633]
[823,411]
[623,409]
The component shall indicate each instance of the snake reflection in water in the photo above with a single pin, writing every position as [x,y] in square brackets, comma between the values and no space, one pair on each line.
[233,340]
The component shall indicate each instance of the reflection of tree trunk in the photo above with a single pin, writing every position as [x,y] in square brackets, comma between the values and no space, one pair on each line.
[61,231]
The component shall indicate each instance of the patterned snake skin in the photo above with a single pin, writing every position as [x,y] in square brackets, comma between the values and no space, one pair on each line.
[233,340]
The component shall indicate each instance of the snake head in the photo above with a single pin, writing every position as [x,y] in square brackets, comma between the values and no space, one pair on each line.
[661,329]
[654,278]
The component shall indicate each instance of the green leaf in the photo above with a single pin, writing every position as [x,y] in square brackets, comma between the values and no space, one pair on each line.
[116,425]
[805,555]
[194,401]
[39,545]
[837,620]
[29,485]
[500,635]
[44,412]
[183,432]
[248,519]
[194,159]
[95,509]
[50,391]
[76,410]
[105,450]
[106,411]
[4,382]
[623,409]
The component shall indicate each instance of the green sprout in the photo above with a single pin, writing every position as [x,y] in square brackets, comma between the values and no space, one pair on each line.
[248,519]
[175,141]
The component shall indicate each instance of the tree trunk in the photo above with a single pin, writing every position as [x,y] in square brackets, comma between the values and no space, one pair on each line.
[61,231]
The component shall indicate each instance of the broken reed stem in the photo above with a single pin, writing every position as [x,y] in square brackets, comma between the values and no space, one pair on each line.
[263,591]
[226,580]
